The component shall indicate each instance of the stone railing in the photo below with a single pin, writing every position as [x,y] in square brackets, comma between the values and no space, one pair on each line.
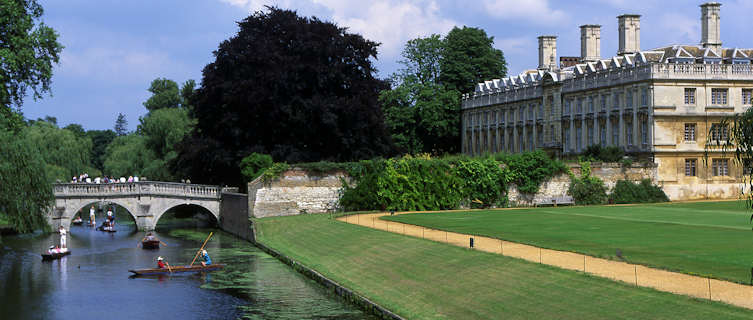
[147,188]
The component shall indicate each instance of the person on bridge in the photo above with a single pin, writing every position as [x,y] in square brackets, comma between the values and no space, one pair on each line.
[63,243]
[205,256]
[161,263]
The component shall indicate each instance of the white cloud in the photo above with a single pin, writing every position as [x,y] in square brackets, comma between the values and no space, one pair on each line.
[680,29]
[533,11]
[389,22]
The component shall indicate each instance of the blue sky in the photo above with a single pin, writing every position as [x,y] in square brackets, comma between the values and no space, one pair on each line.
[114,49]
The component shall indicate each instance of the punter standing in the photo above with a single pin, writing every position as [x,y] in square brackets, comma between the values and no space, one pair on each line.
[63,243]
[91,216]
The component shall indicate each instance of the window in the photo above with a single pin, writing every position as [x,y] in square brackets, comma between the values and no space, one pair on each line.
[616,133]
[540,136]
[690,165]
[530,140]
[603,102]
[502,117]
[494,142]
[603,135]
[579,106]
[566,139]
[629,133]
[719,132]
[617,97]
[567,107]
[530,112]
[719,96]
[541,112]
[502,141]
[644,132]
[690,132]
[747,96]
[629,99]
[590,130]
[720,167]
[644,96]
[521,147]
[591,104]
[578,138]
[551,129]
[689,95]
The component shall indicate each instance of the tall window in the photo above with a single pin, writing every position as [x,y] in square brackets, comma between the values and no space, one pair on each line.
[644,132]
[747,96]
[578,138]
[719,132]
[540,136]
[530,112]
[690,132]
[502,140]
[629,133]
[616,133]
[567,107]
[616,97]
[719,96]
[541,112]
[551,129]
[521,147]
[603,102]
[494,141]
[690,167]
[530,140]
[591,104]
[644,96]
[502,117]
[603,135]
[579,107]
[629,99]
[590,135]
[720,167]
[689,95]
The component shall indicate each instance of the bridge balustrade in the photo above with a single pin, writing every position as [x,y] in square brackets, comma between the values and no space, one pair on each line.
[147,188]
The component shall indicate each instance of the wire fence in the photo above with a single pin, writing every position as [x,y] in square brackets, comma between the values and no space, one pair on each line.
[638,275]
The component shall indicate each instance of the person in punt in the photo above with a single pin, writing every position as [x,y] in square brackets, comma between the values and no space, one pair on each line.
[205,256]
[161,263]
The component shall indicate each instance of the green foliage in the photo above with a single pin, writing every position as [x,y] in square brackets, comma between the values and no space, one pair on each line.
[604,154]
[322,167]
[528,170]
[64,154]
[100,140]
[587,189]
[484,181]
[468,58]
[28,48]
[254,165]
[644,192]
[274,171]
[25,191]
[128,155]
[165,94]
[163,129]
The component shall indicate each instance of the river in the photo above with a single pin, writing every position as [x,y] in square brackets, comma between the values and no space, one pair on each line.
[94,283]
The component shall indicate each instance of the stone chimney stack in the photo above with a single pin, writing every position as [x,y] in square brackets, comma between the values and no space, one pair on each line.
[547,52]
[710,37]
[590,42]
[630,33]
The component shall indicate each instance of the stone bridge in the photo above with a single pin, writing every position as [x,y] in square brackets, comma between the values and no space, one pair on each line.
[145,201]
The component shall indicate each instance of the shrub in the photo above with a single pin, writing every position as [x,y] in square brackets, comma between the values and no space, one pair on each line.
[587,190]
[606,154]
[253,165]
[644,192]
[274,171]
[529,170]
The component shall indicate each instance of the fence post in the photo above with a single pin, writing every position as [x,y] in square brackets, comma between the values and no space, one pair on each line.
[709,279]
[540,260]
[636,274]
[584,263]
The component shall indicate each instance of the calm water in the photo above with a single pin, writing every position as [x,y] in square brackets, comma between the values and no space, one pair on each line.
[93,282]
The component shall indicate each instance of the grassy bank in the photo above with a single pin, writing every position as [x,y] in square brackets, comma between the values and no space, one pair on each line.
[421,279]
[707,238]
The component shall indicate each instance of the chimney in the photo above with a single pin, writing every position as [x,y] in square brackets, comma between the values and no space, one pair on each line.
[630,33]
[590,42]
[710,37]
[547,52]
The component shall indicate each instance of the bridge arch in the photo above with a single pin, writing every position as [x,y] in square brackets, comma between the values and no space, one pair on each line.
[145,201]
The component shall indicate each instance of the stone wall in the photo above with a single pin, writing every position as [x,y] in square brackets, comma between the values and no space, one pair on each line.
[234,215]
[610,173]
[295,192]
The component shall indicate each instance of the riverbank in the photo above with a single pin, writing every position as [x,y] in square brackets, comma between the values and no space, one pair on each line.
[422,279]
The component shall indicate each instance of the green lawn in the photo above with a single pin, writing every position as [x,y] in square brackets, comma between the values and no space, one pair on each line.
[707,238]
[422,279]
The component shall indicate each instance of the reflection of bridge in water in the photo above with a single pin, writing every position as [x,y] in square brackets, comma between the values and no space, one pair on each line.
[145,201]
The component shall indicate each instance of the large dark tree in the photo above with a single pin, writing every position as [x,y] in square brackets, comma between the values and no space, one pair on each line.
[299,89]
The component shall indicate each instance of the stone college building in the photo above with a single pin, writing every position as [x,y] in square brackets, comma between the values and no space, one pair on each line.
[656,105]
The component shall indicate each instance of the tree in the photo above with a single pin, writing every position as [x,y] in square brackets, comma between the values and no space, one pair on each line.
[121,125]
[469,58]
[28,48]
[298,89]
[127,156]
[187,93]
[162,130]
[77,130]
[100,140]
[63,153]
[165,94]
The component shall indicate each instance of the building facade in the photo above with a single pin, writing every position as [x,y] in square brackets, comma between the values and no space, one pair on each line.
[657,105]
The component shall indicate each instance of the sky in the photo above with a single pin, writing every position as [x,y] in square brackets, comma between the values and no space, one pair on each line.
[115,48]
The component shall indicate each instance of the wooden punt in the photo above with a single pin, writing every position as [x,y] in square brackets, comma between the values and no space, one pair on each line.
[77,222]
[150,244]
[176,269]
[53,256]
